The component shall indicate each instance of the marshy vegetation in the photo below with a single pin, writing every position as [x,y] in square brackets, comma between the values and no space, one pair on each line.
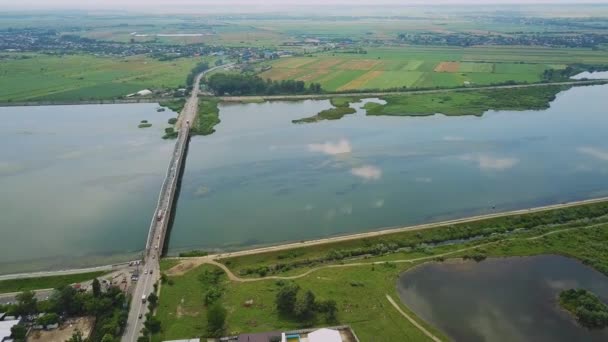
[466,103]
[588,309]
[144,124]
[207,117]
[341,108]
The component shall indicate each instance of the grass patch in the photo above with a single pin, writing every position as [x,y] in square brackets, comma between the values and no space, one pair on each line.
[166,264]
[207,117]
[27,284]
[466,103]
[175,105]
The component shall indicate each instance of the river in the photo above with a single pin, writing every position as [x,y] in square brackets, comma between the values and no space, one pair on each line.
[79,183]
[261,179]
[509,299]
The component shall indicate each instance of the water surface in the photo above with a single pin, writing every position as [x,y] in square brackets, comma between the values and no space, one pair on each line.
[511,299]
[595,75]
[79,183]
[261,179]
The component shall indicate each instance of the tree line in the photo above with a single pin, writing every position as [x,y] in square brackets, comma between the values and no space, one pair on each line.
[239,84]
[110,309]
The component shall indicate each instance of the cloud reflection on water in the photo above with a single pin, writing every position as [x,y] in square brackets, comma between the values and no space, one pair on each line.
[341,147]
[594,152]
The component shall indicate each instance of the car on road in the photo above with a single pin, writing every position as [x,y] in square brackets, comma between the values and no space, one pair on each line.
[140,315]
[146,272]
[151,271]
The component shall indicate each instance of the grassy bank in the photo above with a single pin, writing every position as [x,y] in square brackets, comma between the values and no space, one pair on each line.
[359,283]
[412,243]
[207,117]
[26,284]
[466,103]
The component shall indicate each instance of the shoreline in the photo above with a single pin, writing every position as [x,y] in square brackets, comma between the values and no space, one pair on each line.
[248,98]
[388,231]
[87,102]
[316,242]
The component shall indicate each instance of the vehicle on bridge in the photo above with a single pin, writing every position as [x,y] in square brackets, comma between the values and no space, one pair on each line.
[159,216]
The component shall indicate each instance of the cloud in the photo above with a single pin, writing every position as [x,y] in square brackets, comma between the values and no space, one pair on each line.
[489,163]
[331,148]
[594,152]
[367,172]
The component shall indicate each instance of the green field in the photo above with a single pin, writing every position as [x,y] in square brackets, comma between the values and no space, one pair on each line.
[360,289]
[27,284]
[85,77]
[428,67]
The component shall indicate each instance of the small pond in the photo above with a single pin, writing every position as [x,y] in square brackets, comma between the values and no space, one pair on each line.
[506,299]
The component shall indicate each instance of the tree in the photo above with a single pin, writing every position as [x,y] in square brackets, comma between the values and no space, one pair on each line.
[27,303]
[153,299]
[49,318]
[96,288]
[152,324]
[330,308]
[18,332]
[216,320]
[76,337]
[286,298]
[107,338]
[304,308]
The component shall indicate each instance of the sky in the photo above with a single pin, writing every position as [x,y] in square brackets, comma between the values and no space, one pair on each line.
[231,5]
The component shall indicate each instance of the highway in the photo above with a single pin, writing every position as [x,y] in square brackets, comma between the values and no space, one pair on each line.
[158,226]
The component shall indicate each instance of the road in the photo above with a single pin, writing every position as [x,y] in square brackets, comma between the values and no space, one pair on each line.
[159,225]
[372,94]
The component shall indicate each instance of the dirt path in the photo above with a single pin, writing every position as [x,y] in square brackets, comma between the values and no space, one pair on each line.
[233,277]
[411,320]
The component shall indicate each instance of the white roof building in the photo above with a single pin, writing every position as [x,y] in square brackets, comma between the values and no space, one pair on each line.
[324,335]
[5,329]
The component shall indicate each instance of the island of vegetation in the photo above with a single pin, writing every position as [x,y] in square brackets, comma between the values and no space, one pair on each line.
[466,102]
[144,124]
[341,108]
[588,309]
[207,117]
